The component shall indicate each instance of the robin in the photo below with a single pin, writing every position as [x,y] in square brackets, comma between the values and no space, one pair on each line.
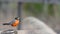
[13,23]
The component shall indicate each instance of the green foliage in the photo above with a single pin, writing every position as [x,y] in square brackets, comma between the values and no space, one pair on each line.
[27,6]
[50,9]
[37,8]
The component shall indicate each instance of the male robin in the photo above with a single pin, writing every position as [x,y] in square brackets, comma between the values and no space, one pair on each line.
[13,23]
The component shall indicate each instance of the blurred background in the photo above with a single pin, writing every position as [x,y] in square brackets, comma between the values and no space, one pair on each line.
[46,10]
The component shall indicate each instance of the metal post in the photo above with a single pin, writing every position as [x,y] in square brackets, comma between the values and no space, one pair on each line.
[19,14]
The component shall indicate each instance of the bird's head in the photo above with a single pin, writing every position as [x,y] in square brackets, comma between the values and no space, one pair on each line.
[17,18]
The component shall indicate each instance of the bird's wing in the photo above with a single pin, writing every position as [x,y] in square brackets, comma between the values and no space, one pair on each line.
[11,21]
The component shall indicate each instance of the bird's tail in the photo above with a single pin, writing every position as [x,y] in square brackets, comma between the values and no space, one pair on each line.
[6,23]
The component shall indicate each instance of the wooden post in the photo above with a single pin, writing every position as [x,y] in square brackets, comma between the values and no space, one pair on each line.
[19,14]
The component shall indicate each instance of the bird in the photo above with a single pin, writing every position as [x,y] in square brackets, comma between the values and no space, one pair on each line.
[14,22]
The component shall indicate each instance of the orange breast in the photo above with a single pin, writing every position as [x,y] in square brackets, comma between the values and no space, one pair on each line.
[15,23]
